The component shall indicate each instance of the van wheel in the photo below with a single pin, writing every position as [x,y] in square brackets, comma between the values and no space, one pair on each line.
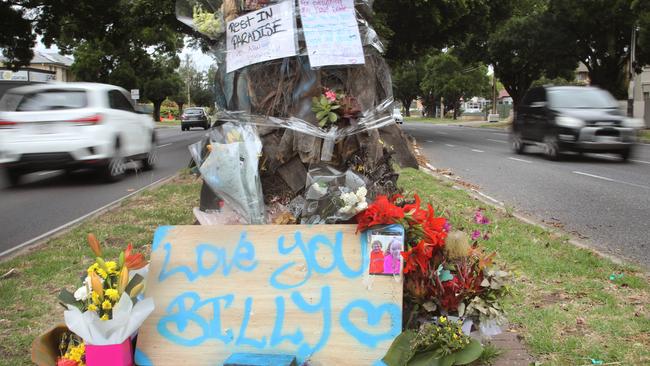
[551,148]
[152,156]
[116,167]
[625,154]
[518,144]
[13,176]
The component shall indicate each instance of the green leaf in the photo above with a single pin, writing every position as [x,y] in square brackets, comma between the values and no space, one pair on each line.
[67,298]
[469,354]
[333,117]
[321,115]
[134,282]
[322,122]
[431,359]
[400,352]
[324,102]
[335,106]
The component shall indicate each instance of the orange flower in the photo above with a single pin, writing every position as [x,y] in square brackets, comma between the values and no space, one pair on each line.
[94,245]
[133,260]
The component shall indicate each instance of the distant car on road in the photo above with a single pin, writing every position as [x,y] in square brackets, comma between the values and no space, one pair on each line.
[573,118]
[397,116]
[70,126]
[194,117]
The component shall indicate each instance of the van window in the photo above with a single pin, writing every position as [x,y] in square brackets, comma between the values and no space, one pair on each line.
[117,100]
[581,98]
[44,100]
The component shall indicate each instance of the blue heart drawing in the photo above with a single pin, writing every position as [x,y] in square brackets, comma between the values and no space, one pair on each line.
[374,316]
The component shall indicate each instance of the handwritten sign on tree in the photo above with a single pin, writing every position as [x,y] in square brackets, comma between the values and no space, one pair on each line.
[331,32]
[263,35]
[291,289]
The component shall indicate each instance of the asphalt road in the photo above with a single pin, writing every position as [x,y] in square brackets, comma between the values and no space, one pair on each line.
[48,200]
[599,199]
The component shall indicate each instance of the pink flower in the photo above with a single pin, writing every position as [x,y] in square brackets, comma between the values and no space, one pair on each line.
[446,227]
[330,95]
[480,219]
[476,234]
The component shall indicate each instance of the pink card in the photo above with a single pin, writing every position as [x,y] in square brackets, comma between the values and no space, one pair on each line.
[110,355]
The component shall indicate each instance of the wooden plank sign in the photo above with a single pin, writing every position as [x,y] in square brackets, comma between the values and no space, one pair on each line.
[272,289]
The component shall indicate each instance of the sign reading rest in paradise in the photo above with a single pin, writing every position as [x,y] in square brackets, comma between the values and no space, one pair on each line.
[263,35]
[290,289]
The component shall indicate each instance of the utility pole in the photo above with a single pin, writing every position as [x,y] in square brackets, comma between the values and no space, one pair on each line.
[632,74]
[494,93]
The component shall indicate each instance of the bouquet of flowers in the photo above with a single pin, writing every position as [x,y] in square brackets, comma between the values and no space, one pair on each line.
[106,310]
[332,106]
[72,351]
[332,196]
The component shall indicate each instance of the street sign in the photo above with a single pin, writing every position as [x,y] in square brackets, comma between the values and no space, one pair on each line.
[135,94]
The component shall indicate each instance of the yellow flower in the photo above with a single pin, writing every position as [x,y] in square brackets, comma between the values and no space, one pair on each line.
[104,317]
[455,336]
[443,319]
[112,294]
[112,267]
[92,307]
[95,298]
[77,352]
[95,268]
[106,305]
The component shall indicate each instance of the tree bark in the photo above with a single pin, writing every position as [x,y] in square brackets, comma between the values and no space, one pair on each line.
[407,107]
[156,109]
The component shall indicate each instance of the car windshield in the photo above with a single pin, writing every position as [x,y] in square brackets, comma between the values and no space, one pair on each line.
[581,98]
[193,111]
[46,100]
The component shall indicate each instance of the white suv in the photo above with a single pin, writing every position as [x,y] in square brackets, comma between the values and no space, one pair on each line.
[71,126]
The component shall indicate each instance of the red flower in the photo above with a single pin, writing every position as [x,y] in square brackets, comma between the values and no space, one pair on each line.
[133,260]
[66,362]
[380,212]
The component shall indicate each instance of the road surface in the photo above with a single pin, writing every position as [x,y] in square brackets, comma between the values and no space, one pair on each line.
[599,199]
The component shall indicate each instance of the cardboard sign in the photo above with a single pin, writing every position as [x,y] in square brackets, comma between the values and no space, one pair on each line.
[272,289]
[331,32]
[263,35]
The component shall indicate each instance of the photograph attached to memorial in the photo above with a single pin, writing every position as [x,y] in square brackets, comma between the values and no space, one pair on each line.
[386,245]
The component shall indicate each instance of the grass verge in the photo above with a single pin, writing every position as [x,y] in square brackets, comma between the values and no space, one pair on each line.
[28,303]
[172,123]
[435,121]
[563,302]
[644,136]
[501,124]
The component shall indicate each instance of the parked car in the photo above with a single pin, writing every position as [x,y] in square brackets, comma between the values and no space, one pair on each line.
[194,117]
[572,118]
[70,126]
[397,116]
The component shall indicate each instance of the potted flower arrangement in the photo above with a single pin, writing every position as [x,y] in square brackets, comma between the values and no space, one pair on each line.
[105,311]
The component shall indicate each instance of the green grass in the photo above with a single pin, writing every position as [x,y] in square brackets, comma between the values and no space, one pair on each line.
[505,124]
[563,302]
[431,120]
[175,122]
[28,304]
[644,136]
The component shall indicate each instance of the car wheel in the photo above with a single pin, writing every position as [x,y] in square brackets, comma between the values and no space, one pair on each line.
[150,159]
[518,145]
[13,176]
[625,154]
[116,167]
[551,148]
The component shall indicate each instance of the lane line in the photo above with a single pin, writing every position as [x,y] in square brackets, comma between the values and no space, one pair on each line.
[165,145]
[450,145]
[429,141]
[478,151]
[46,173]
[521,160]
[640,161]
[611,180]
[80,219]
[499,141]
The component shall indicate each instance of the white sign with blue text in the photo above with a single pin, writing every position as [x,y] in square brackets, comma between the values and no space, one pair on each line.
[331,32]
[262,35]
[272,289]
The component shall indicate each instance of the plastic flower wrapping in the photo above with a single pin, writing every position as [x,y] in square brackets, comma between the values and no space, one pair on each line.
[107,309]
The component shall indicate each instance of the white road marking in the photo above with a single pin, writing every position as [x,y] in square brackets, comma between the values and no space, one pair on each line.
[430,141]
[522,160]
[47,172]
[478,151]
[441,133]
[499,141]
[489,198]
[499,133]
[165,145]
[640,161]
[611,180]
[450,145]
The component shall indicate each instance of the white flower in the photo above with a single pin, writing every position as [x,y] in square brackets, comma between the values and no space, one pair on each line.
[346,209]
[362,206]
[322,190]
[361,194]
[81,294]
[350,199]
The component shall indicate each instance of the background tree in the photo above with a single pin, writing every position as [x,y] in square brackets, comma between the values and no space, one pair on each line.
[449,78]
[180,98]
[156,90]
[406,82]
[16,36]
[600,37]
[524,49]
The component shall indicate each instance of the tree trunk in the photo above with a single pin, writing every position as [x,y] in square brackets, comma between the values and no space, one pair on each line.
[180,108]
[407,107]
[156,109]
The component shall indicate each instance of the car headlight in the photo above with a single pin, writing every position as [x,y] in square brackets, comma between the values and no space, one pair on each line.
[570,122]
[633,123]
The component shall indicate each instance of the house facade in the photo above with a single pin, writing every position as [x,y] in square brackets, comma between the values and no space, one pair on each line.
[44,67]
